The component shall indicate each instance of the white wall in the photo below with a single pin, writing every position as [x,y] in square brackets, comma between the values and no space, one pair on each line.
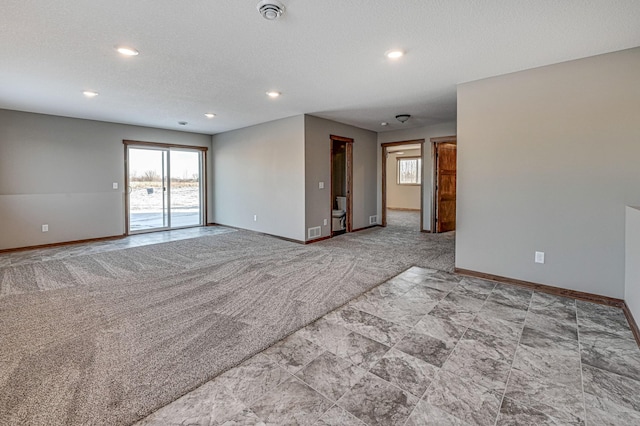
[318,169]
[259,170]
[60,171]
[401,196]
[632,261]
[548,159]
[426,133]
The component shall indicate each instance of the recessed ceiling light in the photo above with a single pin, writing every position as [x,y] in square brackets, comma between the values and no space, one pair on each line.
[384,123]
[209,115]
[394,54]
[90,93]
[127,51]
[273,94]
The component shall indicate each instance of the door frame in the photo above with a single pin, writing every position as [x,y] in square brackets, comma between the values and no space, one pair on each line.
[453,139]
[133,143]
[384,147]
[349,161]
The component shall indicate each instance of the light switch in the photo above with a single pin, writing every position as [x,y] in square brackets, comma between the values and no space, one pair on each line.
[321,185]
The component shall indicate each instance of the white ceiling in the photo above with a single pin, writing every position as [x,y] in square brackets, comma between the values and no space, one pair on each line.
[325,56]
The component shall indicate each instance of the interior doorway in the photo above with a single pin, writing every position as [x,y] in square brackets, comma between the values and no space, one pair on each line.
[444,177]
[164,187]
[341,185]
[403,179]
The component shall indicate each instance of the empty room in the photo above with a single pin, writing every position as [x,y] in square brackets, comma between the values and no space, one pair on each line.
[275,212]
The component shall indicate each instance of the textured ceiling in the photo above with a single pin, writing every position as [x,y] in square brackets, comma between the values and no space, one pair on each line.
[326,56]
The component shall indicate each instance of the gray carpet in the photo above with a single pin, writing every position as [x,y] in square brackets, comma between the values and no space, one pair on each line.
[108,338]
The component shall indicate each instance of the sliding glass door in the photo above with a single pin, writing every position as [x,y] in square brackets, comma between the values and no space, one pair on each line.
[165,189]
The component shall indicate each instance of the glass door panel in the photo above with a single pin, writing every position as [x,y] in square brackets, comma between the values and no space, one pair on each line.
[148,192]
[186,188]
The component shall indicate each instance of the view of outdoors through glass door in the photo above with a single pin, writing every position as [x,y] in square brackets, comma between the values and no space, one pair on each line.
[165,188]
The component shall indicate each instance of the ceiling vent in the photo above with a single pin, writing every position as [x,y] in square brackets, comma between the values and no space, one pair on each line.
[270,9]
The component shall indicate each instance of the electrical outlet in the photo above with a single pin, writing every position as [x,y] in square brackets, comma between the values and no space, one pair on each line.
[45,228]
[325,222]
[320,185]
[539,257]
[255,217]
[115,185]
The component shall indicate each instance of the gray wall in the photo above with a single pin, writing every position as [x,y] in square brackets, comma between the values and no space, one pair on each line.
[59,171]
[318,169]
[259,170]
[632,261]
[547,160]
[401,196]
[426,133]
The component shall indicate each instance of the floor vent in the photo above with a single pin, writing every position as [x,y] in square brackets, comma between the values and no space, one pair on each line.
[373,220]
[314,232]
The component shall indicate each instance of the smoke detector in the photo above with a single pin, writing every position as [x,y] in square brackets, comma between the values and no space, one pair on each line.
[270,9]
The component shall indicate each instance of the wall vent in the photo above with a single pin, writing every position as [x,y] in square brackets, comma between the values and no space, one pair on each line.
[373,220]
[314,232]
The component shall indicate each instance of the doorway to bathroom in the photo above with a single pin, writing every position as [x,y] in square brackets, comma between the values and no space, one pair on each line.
[341,184]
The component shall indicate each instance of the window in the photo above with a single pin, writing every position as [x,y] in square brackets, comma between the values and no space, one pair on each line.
[409,171]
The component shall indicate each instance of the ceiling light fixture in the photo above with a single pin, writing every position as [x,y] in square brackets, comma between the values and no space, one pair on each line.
[209,115]
[403,117]
[394,54]
[90,93]
[273,94]
[270,9]
[127,51]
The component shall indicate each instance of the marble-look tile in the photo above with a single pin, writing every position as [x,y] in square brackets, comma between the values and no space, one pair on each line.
[500,320]
[567,328]
[211,403]
[514,297]
[405,371]
[331,375]
[460,298]
[475,287]
[610,352]
[463,399]
[553,366]
[337,416]
[253,378]
[395,286]
[426,294]
[376,402]
[360,350]
[292,402]
[371,326]
[553,306]
[293,352]
[449,310]
[607,319]
[427,348]
[245,418]
[439,328]
[326,332]
[482,358]
[602,412]
[619,390]
[398,309]
[564,403]
[426,414]
[512,414]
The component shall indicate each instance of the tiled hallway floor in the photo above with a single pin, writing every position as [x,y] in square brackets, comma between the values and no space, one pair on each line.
[431,348]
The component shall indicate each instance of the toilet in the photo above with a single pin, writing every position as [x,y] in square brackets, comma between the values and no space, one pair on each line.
[338,216]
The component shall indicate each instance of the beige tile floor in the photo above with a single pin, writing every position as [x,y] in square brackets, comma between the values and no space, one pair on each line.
[432,348]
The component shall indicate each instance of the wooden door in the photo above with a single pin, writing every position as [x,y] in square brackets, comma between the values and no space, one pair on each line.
[445,159]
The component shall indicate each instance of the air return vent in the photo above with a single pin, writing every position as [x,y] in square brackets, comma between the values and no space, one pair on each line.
[314,232]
